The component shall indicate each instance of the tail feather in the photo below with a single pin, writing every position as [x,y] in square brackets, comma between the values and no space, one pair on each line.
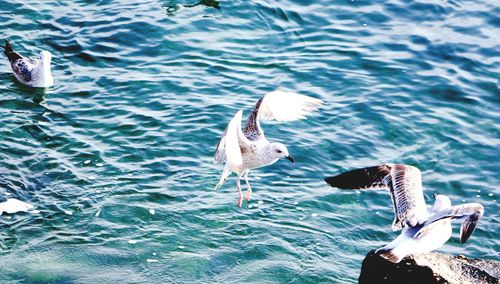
[7,48]
[389,254]
[223,178]
[9,52]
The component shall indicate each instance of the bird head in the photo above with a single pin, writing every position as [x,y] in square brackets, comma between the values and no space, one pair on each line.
[441,202]
[45,57]
[279,150]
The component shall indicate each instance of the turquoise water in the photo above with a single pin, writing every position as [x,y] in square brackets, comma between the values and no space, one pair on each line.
[143,91]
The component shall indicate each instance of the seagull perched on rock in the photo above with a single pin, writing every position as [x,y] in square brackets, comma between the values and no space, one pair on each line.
[247,149]
[423,230]
[32,72]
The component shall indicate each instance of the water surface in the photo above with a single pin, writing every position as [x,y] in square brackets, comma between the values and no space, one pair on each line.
[117,155]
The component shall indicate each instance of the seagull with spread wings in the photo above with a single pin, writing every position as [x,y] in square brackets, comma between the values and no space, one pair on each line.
[32,72]
[422,230]
[247,149]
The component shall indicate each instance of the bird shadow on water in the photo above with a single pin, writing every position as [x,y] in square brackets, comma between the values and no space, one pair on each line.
[173,7]
[37,94]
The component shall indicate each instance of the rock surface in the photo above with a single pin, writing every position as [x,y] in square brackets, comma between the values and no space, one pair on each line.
[429,268]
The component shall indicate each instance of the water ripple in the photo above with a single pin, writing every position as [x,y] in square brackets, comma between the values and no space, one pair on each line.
[117,156]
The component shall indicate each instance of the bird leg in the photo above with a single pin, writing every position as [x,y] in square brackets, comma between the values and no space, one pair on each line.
[249,189]
[240,195]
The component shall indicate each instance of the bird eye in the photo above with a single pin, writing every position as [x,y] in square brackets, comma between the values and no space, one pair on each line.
[279,151]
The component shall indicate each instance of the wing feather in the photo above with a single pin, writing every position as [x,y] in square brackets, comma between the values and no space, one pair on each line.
[365,178]
[232,142]
[404,183]
[279,106]
[220,152]
[286,106]
[10,53]
[22,69]
[408,196]
[470,213]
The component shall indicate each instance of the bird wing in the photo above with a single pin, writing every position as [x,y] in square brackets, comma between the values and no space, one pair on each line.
[470,213]
[23,68]
[279,106]
[404,183]
[232,143]
[220,152]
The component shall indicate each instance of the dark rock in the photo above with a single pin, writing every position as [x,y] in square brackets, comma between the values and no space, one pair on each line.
[429,268]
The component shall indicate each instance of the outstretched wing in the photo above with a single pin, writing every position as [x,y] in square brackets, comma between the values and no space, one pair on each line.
[365,178]
[404,183]
[280,106]
[232,143]
[470,213]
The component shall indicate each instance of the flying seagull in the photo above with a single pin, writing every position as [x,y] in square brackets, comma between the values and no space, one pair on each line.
[32,72]
[422,230]
[247,149]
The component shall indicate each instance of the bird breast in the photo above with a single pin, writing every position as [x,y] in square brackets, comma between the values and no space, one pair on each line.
[257,156]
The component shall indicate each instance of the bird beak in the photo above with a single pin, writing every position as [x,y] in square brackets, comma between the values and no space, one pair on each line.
[290,158]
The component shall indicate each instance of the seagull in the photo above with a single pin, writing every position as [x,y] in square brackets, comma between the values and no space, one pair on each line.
[423,230]
[32,72]
[247,149]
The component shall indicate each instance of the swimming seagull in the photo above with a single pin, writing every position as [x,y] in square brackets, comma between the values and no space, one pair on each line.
[423,230]
[32,72]
[247,149]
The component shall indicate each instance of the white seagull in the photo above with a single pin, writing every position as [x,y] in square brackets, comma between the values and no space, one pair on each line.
[247,149]
[32,72]
[423,230]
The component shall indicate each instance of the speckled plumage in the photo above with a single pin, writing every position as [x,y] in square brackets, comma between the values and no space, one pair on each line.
[404,182]
[422,230]
[247,149]
[32,72]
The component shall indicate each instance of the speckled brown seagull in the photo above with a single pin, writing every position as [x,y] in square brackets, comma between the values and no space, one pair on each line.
[247,149]
[32,72]
[423,230]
